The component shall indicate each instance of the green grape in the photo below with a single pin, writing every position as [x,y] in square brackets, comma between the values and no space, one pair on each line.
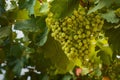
[87,27]
[75,12]
[66,49]
[73,17]
[88,33]
[80,44]
[83,35]
[63,34]
[76,37]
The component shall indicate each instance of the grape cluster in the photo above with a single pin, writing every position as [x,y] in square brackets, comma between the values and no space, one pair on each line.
[117,12]
[76,32]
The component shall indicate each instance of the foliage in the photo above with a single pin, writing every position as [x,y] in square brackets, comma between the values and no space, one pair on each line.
[37,48]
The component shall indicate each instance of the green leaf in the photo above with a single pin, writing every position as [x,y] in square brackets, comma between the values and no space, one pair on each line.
[16,50]
[117,1]
[110,17]
[32,25]
[16,58]
[61,8]
[44,8]
[37,59]
[52,50]
[4,21]
[100,5]
[2,7]
[9,75]
[27,4]
[114,38]
[22,15]
[27,25]
[18,67]
[97,72]
[42,38]
[105,55]
[4,32]
[67,77]
[2,56]
[37,8]
[46,77]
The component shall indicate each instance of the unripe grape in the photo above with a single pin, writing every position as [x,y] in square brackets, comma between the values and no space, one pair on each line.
[76,13]
[66,49]
[73,17]
[69,20]
[63,34]
[64,29]
[87,27]
[76,37]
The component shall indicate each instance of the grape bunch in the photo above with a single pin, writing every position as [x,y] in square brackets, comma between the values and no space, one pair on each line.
[76,32]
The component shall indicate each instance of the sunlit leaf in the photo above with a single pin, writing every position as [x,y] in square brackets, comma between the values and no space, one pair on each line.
[100,5]
[22,15]
[37,8]
[110,17]
[44,8]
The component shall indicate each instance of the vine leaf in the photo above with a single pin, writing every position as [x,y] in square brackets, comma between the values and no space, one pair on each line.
[4,21]
[110,17]
[37,8]
[4,32]
[27,4]
[105,51]
[2,56]
[114,38]
[42,38]
[15,59]
[27,25]
[59,11]
[37,27]
[100,5]
[37,59]
[67,77]
[22,15]
[2,7]
[105,55]
[31,25]
[52,50]
[117,1]
[44,8]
